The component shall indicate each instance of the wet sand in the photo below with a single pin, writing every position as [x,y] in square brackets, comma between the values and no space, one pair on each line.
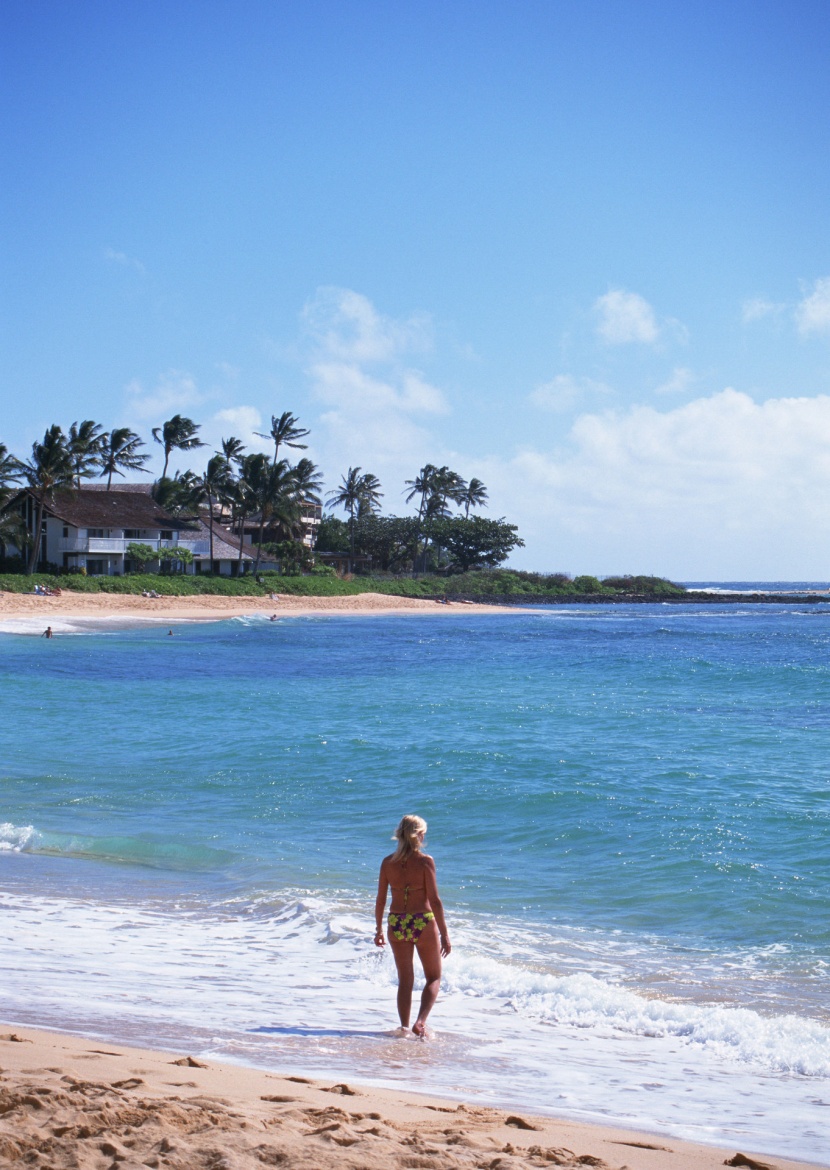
[72,1102]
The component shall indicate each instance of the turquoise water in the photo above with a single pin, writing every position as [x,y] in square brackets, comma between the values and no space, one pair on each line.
[628,807]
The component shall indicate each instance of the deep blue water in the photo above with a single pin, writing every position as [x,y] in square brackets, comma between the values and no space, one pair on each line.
[658,769]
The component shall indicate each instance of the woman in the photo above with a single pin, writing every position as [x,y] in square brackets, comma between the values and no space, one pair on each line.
[416,919]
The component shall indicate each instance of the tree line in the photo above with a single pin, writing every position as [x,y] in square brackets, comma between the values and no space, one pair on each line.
[271,493]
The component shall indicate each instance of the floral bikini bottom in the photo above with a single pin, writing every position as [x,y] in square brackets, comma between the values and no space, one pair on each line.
[409,927]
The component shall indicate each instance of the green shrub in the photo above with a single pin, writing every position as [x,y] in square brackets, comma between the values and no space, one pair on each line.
[483,584]
[587,585]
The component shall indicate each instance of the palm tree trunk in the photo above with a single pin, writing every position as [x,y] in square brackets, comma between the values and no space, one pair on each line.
[35,553]
[260,534]
[210,525]
[417,538]
[241,535]
[166,461]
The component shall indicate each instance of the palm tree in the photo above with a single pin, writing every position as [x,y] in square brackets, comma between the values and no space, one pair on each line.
[435,485]
[180,495]
[48,470]
[243,491]
[12,528]
[84,444]
[13,531]
[356,491]
[11,471]
[474,495]
[285,432]
[348,496]
[179,434]
[447,485]
[370,495]
[309,480]
[214,484]
[277,499]
[232,449]
[119,449]
[422,485]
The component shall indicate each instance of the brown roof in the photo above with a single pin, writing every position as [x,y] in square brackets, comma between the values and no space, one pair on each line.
[114,509]
[225,543]
[144,488]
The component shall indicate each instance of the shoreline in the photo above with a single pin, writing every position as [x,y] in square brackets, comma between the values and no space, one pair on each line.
[72,1098]
[108,609]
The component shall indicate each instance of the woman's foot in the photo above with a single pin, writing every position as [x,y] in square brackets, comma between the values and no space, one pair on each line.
[420,1029]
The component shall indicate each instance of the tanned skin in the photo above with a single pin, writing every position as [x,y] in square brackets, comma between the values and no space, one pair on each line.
[418,873]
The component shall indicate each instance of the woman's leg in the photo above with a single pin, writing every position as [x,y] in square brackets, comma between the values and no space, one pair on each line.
[429,952]
[404,953]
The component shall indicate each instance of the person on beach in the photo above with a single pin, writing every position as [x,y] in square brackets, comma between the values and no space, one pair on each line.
[47,633]
[416,919]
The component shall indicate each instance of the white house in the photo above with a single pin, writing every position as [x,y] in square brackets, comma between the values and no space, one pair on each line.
[91,528]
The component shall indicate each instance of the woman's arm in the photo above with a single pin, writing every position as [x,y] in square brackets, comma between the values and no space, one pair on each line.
[437,905]
[380,905]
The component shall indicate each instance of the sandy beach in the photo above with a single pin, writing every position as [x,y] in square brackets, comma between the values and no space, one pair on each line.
[68,1102]
[28,613]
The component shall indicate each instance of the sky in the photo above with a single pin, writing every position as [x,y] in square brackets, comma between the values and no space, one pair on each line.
[579,249]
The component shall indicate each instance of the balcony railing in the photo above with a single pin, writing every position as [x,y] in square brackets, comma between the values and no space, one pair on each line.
[118,545]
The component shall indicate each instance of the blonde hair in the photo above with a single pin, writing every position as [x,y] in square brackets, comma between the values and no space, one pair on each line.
[406,835]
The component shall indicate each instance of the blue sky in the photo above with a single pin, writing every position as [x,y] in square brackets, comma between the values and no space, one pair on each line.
[578,249]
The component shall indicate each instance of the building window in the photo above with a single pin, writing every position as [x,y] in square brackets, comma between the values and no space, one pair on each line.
[166,535]
[95,532]
[132,533]
[65,532]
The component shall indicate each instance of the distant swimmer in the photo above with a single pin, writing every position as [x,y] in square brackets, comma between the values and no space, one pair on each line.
[169,633]
[273,618]
[47,633]
[416,919]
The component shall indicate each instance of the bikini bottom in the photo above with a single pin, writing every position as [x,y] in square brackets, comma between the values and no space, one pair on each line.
[409,927]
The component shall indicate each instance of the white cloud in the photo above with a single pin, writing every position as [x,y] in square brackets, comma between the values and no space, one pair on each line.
[351,389]
[678,383]
[375,402]
[562,393]
[812,314]
[124,260]
[625,317]
[174,392]
[757,308]
[721,487]
[241,422]
[345,324]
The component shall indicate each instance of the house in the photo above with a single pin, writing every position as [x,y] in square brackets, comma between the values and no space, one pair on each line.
[311,516]
[344,562]
[91,529]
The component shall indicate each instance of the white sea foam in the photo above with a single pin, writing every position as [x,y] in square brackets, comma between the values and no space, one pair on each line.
[294,981]
[785,1043]
[16,838]
[99,624]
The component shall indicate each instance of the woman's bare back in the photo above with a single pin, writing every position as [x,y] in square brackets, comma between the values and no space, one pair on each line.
[408,882]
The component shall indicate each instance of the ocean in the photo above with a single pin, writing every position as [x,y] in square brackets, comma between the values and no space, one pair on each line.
[628,807]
